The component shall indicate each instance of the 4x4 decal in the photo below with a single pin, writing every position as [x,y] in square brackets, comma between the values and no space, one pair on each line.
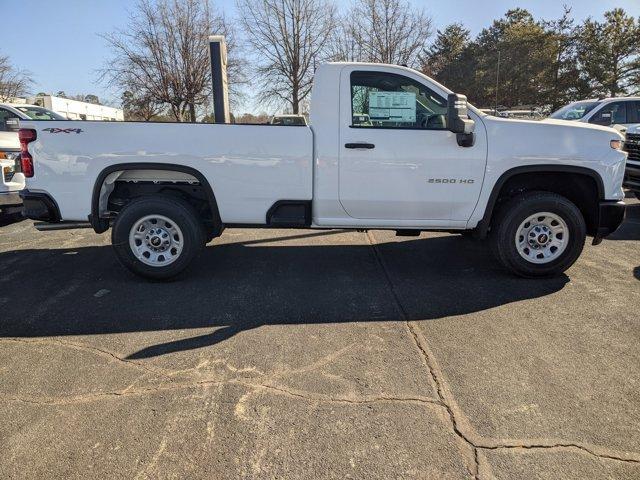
[62,130]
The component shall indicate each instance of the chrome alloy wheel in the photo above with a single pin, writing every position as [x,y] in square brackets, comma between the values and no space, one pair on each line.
[156,240]
[542,237]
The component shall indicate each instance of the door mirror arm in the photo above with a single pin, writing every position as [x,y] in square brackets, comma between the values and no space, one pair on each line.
[466,139]
[458,120]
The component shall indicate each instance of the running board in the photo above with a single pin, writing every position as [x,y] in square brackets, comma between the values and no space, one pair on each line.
[407,232]
[45,227]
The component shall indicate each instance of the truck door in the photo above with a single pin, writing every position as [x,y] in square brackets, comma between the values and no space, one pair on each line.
[397,159]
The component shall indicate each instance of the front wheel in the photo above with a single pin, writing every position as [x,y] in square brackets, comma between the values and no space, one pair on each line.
[538,234]
[157,237]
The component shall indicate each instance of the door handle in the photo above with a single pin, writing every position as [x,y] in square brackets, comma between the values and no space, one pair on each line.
[367,146]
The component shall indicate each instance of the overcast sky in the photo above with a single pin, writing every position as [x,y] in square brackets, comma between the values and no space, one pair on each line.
[58,40]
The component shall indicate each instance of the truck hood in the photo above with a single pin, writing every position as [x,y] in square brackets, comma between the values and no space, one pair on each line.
[582,125]
[551,142]
[552,129]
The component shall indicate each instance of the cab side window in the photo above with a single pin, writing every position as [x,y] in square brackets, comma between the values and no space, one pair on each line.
[389,100]
[610,114]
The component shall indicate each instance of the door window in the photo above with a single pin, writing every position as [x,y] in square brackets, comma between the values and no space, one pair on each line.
[611,114]
[389,100]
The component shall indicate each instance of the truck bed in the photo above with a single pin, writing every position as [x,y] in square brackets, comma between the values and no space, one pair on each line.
[249,167]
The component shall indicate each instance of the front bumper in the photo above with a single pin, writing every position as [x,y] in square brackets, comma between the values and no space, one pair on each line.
[40,206]
[610,217]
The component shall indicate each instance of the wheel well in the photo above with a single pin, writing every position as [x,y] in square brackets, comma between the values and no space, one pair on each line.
[119,185]
[580,188]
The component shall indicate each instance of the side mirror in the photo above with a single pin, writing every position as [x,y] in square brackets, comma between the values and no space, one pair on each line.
[458,120]
[12,124]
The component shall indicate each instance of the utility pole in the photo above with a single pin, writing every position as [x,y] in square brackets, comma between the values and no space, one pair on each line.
[218,53]
[497,83]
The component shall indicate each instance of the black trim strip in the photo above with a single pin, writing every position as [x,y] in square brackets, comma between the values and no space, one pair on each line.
[40,206]
[102,224]
[610,216]
[303,222]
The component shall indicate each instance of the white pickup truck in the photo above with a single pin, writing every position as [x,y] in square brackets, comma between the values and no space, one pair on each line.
[11,180]
[422,160]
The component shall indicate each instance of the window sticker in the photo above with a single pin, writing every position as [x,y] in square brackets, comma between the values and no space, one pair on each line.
[396,107]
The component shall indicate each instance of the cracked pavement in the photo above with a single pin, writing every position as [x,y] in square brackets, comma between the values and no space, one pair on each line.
[317,354]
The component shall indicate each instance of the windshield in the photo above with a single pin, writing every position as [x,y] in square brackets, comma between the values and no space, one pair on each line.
[574,111]
[38,113]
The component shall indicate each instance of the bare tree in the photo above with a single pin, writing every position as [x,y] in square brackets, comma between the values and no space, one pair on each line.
[138,107]
[13,81]
[385,31]
[343,47]
[163,55]
[289,38]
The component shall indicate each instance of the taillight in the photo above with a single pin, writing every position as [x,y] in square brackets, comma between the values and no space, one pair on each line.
[26,136]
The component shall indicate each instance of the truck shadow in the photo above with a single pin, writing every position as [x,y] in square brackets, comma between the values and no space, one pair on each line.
[241,286]
[10,219]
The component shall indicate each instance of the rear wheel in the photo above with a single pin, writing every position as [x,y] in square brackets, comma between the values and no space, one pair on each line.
[538,234]
[157,237]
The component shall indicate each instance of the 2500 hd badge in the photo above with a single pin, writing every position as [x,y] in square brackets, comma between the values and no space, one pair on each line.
[467,181]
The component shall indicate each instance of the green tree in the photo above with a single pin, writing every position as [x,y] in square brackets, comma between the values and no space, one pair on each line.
[608,53]
[566,83]
[513,61]
[92,99]
[449,59]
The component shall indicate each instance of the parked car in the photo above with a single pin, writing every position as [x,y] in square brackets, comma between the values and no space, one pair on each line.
[632,147]
[430,162]
[12,180]
[619,111]
[289,120]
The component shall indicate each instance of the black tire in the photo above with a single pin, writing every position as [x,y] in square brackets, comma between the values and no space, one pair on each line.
[176,210]
[513,213]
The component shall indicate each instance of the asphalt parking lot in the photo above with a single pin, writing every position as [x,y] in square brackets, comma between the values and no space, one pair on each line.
[313,354]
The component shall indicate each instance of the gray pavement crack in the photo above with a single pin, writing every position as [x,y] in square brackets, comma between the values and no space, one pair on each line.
[591,450]
[460,424]
[88,397]
[94,396]
[333,399]
[91,349]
